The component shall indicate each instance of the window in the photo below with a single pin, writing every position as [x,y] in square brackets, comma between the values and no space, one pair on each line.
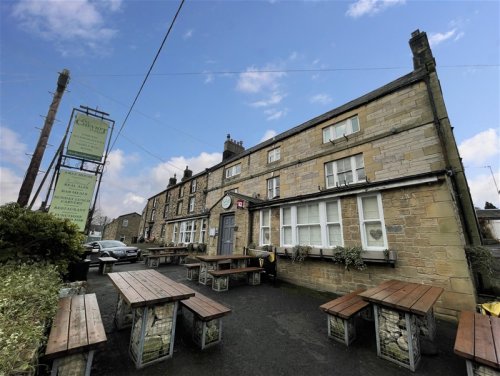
[234,190]
[273,187]
[187,231]
[174,232]
[155,201]
[273,155]
[344,128]
[125,223]
[191,204]
[233,171]
[265,227]
[371,222]
[181,191]
[162,231]
[153,214]
[165,210]
[167,197]
[179,208]
[345,171]
[193,186]
[316,224]
[203,230]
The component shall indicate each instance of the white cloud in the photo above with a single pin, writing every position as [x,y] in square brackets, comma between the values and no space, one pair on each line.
[274,99]
[370,7]
[438,38]
[256,80]
[482,189]
[476,150]
[321,99]
[10,183]
[12,150]
[68,24]
[188,34]
[270,133]
[274,114]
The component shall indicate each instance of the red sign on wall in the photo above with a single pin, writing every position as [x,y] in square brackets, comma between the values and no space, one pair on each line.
[240,204]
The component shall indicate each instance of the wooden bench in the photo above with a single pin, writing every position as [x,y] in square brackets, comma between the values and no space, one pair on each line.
[193,271]
[478,341]
[220,281]
[76,332]
[106,265]
[207,319]
[153,261]
[341,312]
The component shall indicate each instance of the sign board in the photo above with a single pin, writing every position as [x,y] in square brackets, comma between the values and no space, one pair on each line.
[240,204]
[88,137]
[72,197]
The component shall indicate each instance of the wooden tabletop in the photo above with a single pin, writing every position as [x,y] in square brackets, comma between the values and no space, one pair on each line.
[147,287]
[76,327]
[405,296]
[210,258]
[478,338]
[107,259]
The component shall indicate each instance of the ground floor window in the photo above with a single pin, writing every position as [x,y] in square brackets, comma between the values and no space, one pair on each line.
[203,230]
[265,227]
[371,222]
[317,224]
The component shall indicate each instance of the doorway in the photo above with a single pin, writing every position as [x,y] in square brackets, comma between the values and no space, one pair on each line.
[227,235]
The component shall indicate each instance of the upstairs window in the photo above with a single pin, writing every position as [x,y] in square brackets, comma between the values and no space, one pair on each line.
[273,155]
[181,191]
[193,186]
[155,201]
[191,204]
[165,210]
[125,223]
[153,214]
[179,208]
[344,128]
[233,171]
[345,171]
[273,187]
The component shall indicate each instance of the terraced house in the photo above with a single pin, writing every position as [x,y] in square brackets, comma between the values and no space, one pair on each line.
[381,172]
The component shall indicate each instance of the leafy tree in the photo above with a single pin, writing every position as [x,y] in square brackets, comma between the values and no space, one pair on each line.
[32,236]
[489,205]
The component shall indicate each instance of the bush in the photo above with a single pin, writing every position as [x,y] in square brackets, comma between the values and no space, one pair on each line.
[31,236]
[350,257]
[481,260]
[28,302]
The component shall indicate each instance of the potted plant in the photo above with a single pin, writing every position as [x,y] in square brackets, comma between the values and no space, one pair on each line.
[300,252]
[350,257]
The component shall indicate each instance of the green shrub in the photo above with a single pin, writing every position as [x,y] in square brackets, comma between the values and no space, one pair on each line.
[31,236]
[480,259]
[300,253]
[28,301]
[350,257]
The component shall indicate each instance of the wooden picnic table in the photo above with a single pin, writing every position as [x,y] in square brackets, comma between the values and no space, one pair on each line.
[403,311]
[154,300]
[158,255]
[213,262]
[478,341]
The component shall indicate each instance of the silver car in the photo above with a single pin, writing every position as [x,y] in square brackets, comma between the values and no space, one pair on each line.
[116,249]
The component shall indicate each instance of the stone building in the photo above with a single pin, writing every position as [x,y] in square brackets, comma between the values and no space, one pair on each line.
[381,172]
[124,228]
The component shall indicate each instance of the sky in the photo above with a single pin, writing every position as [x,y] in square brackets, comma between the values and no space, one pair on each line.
[251,69]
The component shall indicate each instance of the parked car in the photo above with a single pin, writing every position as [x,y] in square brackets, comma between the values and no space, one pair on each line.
[113,248]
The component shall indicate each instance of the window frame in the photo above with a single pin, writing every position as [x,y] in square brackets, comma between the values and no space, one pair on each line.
[354,170]
[178,210]
[233,171]
[273,187]
[263,228]
[203,230]
[348,123]
[362,222]
[191,204]
[125,223]
[274,155]
[192,188]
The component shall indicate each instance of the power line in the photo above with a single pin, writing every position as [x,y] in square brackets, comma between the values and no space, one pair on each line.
[147,75]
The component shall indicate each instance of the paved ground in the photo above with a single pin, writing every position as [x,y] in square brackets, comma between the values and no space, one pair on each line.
[272,330]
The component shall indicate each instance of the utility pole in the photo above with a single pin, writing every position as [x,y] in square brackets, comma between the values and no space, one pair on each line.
[36,159]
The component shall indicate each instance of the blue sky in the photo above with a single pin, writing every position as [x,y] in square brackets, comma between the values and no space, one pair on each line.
[249,68]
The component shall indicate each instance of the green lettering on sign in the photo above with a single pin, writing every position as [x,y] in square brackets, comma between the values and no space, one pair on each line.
[88,138]
[72,197]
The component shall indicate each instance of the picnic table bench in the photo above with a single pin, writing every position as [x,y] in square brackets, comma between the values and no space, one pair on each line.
[220,280]
[76,332]
[106,265]
[193,271]
[154,260]
[341,313]
[478,341]
[207,319]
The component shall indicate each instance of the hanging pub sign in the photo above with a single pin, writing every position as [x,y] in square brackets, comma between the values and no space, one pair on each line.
[72,196]
[88,137]
[240,204]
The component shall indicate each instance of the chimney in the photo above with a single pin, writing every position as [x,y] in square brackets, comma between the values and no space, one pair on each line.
[422,53]
[172,181]
[187,174]
[232,148]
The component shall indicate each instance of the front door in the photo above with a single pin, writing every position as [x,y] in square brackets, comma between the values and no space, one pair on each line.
[227,235]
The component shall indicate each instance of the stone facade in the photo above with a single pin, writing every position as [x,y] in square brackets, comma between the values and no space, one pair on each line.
[381,172]
[124,228]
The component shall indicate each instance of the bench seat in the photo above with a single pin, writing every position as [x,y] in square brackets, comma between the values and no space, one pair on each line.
[153,261]
[76,332]
[478,341]
[220,281]
[341,312]
[207,319]
[193,271]
[106,265]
